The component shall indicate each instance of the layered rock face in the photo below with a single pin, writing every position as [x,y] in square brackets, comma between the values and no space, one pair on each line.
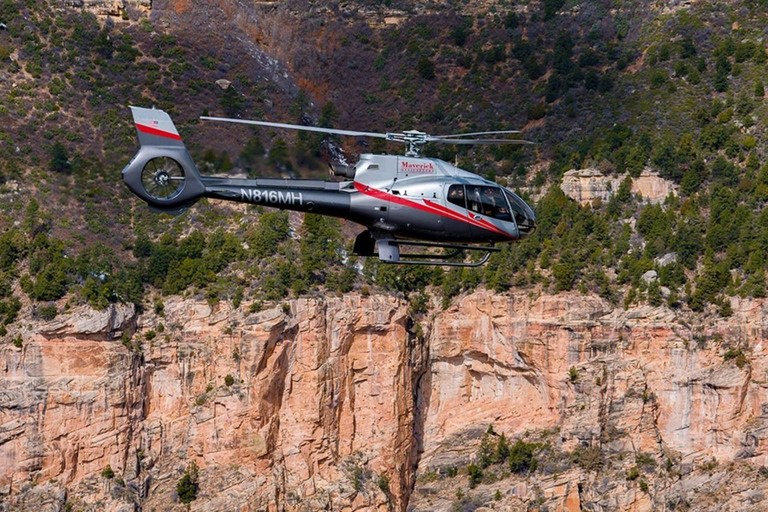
[589,185]
[338,403]
[307,406]
[635,384]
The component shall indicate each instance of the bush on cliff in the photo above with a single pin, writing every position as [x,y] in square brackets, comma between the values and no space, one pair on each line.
[521,458]
[589,458]
[187,486]
[108,472]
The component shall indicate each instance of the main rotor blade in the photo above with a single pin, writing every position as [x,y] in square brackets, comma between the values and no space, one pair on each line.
[479,141]
[475,133]
[297,127]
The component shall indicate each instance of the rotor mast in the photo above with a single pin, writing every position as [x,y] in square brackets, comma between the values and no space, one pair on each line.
[413,139]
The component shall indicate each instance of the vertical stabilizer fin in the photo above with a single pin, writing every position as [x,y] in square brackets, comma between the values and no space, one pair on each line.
[155,128]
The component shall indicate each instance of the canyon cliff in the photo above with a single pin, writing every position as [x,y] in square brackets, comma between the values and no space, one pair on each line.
[355,403]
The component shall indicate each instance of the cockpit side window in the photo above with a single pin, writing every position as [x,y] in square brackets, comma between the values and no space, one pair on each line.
[523,215]
[456,196]
[488,201]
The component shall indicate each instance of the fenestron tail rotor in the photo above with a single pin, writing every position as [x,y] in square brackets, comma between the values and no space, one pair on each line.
[413,138]
[163,178]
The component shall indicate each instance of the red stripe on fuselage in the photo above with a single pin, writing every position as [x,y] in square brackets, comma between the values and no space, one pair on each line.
[154,131]
[481,223]
[429,207]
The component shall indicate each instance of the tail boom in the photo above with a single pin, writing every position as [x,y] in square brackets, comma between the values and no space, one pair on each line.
[314,196]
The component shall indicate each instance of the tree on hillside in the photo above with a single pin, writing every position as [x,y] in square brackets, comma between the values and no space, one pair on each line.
[59,158]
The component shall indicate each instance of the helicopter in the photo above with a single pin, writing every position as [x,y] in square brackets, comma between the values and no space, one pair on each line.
[402,200]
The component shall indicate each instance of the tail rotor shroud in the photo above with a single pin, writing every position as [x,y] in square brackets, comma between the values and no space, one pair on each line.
[163,178]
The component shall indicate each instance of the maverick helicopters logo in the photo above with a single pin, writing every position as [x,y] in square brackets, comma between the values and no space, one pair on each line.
[417,167]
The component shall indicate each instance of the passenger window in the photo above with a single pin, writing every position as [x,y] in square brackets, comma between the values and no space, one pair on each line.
[456,195]
[488,201]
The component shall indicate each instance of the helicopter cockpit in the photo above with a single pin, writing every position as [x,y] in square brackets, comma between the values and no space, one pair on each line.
[494,202]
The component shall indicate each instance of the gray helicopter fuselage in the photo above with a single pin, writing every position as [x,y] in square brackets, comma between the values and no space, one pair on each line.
[403,196]
[396,197]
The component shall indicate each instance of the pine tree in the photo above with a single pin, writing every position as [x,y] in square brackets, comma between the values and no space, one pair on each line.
[59,158]
[186,488]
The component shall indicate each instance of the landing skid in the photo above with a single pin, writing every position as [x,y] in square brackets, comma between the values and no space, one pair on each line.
[435,259]
[389,251]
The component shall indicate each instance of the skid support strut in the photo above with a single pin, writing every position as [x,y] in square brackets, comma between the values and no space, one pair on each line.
[389,252]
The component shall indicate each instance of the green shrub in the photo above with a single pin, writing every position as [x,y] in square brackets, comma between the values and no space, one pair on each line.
[47,312]
[645,460]
[502,449]
[521,457]
[237,298]
[426,68]
[9,310]
[589,458]
[229,380]
[107,472]
[187,486]
[126,339]
[737,356]
[485,453]
[565,275]
[272,229]
[358,475]
[232,102]
[537,111]
[475,475]
[59,158]
[383,483]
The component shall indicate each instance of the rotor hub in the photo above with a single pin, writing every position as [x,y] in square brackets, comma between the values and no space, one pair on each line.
[162,178]
[414,140]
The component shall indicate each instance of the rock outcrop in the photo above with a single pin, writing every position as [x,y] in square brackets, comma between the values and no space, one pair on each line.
[589,185]
[108,7]
[345,403]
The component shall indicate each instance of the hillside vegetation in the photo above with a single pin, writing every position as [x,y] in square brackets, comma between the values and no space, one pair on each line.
[616,85]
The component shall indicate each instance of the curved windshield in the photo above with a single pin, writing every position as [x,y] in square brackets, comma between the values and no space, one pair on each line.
[488,201]
[526,220]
